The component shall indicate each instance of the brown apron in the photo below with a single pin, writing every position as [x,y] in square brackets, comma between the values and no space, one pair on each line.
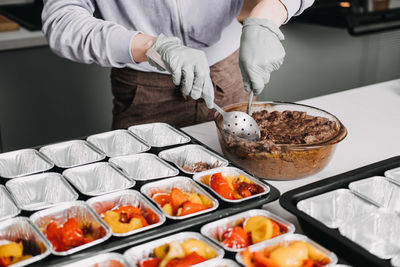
[143,97]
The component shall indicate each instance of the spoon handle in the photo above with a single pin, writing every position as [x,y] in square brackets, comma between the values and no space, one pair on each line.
[220,110]
[249,104]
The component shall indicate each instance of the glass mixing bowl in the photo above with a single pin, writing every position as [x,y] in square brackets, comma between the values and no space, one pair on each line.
[278,161]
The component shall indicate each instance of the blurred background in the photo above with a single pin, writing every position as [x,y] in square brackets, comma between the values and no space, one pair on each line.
[333,46]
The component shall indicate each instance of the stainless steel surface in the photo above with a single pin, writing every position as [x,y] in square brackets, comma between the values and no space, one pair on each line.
[8,208]
[335,208]
[159,134]
[378,232]
[101,261]
[41,191]
[393,175]
[118,143]
[98,178]
[217,228]
[251,95]
[123,198]
[231,171]
[191,154]
[23,162]
[20,229]
[285,240]
[237,123]
[184,184]
[379,191]
[61,213]
[144,166]
[135,254]
[72,153]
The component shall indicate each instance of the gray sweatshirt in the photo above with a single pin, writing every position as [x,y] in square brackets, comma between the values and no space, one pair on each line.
[100,31]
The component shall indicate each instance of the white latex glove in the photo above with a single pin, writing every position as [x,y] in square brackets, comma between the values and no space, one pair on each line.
[189,68]
[260,53]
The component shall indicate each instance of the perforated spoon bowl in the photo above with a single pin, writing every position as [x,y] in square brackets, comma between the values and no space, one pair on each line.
[235,122]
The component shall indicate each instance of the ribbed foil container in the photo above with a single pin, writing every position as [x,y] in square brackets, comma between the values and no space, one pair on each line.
[20,229]
[118,143]
[72,153]
[393,175]
[98,178]
[100,260]
[396,261]
[41,191]
[159,134]
[133,198]
[136,254]
[191,154]
[61,213]
[184,184]
[23,162]
[214,229]
[144,167]
[218,263]
[379,191]
[8,208]
[335,208]
[378,232]
[284,240]
[231,171]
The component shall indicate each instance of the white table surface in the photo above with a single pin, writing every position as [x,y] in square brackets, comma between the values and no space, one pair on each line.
[371,115]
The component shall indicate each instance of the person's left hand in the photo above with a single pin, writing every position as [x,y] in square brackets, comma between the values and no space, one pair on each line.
[260,53]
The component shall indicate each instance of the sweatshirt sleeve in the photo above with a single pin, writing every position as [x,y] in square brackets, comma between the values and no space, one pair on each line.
[296,7]
[74,33]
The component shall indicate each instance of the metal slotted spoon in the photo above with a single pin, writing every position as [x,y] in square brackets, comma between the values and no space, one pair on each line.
[235,122]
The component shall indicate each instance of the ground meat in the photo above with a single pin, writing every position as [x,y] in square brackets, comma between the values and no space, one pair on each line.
[200,166]
[293,127]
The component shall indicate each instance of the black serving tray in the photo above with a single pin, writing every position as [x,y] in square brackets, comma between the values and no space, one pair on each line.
[331,238]
[121,244]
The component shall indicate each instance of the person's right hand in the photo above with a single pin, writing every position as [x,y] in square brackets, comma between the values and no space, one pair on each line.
[189,68]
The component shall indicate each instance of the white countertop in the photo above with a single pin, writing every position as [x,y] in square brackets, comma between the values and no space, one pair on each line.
[371,115]
[21,39]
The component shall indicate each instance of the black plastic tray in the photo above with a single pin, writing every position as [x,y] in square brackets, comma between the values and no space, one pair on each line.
[331,238]
[121,244]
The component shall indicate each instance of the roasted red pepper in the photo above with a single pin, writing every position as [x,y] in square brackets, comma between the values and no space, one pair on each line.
[189,208]
[221,186]
[236,237]
[189,260]
[153,262]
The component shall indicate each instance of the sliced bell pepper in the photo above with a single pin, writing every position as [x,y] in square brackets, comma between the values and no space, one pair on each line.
[220,185]
[189,208]
[177,198]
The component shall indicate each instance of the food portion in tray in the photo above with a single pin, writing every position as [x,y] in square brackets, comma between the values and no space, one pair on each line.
[247,228]
[200,166]
[231,184]
[183,249]
[288,251]
[178,203]
[12,252]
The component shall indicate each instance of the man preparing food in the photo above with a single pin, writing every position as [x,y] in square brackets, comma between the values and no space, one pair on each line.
[198,41]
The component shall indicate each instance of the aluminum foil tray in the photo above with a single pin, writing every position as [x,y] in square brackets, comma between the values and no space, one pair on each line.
[102,260]
[335,208]
[379,191]
[61,213]
[136,254]
[286,239]
[214,229]
[133,198]
[118,143]
[72,153]
[218,263]
[23,162]
[41,191]
[184,184]
[20,229]
[98,178]
[393,175]
[187,156]
[159,134]
[8,208]
[231,171]
[361,232]
[377,231]
[144,167]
